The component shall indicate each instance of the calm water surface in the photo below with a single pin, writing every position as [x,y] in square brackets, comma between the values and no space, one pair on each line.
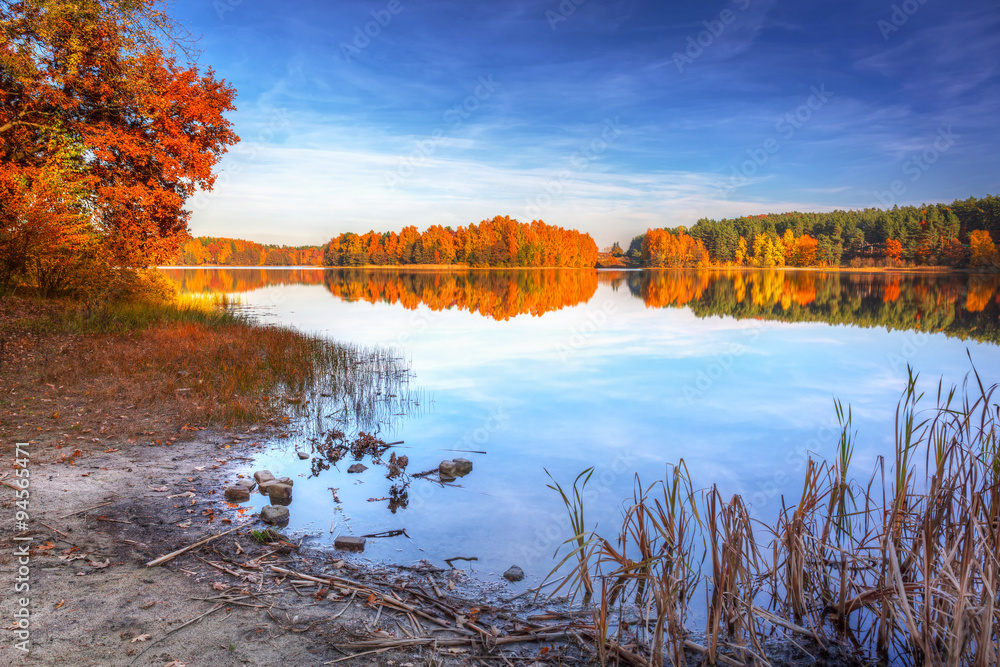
[735,373]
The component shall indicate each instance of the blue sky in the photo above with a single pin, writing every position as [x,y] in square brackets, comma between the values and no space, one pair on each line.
[609,116]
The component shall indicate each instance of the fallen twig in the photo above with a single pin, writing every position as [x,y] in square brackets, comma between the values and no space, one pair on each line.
[86,509]
[388,533]
[178,629]
[470,558]
[163,559]
[58,532]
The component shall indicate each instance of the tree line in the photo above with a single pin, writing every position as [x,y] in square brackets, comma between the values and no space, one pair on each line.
[500,242]
[962,234]
[212,251]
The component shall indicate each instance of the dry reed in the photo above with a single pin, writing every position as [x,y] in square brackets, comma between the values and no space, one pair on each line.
[901,569]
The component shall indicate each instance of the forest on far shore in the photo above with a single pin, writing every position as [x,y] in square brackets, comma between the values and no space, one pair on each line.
[962,234]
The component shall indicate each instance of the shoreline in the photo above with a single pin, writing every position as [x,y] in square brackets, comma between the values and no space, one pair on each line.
[465,268]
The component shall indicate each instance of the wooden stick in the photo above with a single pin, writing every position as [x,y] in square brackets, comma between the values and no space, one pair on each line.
[87,509]
[452,641]
[468,558]
[58,532]
[163,559]
[179,628]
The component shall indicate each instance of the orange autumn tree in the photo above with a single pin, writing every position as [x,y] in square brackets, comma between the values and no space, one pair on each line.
[104,135]
[661,249]
[982,250]
[500,242]
[894,250]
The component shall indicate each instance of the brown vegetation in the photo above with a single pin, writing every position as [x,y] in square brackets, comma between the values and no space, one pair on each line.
[904,567]
[81,375]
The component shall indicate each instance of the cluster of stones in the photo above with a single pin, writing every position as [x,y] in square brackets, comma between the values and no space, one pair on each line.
[449,470]
[279,491]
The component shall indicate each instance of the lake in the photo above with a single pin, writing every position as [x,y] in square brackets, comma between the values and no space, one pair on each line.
[735,372]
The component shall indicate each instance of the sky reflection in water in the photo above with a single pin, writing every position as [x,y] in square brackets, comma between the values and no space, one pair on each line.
[616,371]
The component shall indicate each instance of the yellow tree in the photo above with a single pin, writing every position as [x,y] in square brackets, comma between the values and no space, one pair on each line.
[742,255]
[982,250]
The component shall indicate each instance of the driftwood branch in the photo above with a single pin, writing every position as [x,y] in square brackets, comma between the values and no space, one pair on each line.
[170,556]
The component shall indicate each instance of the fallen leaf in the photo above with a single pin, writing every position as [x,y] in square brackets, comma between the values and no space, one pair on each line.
[219,586]
[60,604]
[100,566]
[184,524]
[158,489]
[141,638]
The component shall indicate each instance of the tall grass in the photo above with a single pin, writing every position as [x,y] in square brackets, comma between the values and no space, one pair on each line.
[204,361]
[903,568]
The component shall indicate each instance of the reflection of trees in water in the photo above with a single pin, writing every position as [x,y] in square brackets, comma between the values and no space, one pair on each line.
[960,305]
[224,280]
[496,294]
[499,295]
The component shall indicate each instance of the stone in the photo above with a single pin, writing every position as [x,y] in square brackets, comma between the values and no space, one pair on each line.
[274,515]
[287,481]
[281,492]
[447,469]
[246,483]
[357,467]
[514,573]
[349,542]
[238,494]
[462,467]
[302,455]
[263,476]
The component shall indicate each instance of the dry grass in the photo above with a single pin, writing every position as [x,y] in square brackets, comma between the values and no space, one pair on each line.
[84,374]
[902,569]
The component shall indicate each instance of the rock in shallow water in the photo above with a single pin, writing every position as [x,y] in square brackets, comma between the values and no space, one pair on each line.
[263,476]
[237,494]
[303,455]
[349,542]
[514,573]
[274,515]
[280,494]
[357,467]
[462,466]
